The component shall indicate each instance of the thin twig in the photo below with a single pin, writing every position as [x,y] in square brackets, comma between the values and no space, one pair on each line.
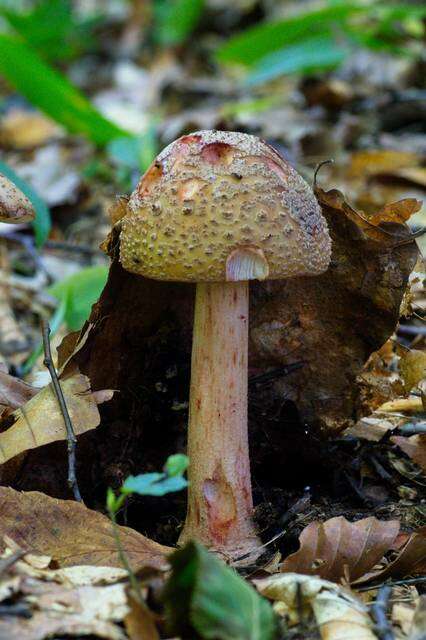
[379,612]
[71,439]
[395,583]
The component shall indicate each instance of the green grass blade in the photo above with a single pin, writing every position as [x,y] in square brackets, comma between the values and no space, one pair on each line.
[253,44]
[315,54]
[176,19]
[51,92]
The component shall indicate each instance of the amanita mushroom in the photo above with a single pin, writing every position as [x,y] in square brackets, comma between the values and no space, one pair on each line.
[219,209]
[14,205]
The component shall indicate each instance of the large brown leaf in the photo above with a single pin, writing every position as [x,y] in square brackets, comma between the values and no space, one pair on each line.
[70,533]
[338,549]
[410,561]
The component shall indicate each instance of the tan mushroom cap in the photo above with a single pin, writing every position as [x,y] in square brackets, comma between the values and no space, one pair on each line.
[217,206]
[14,205]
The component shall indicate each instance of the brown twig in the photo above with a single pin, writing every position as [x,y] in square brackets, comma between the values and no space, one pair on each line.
[395,583]
[71,439]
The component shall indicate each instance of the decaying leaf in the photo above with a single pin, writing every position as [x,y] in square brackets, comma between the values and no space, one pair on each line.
[341,550]
[412,366]
[14,392]
[40,420]
[338,614]
[410,560]
[375,226]
[37,566]
[56,607]
[140,621]
[14,205]
[414,447]
[70,533]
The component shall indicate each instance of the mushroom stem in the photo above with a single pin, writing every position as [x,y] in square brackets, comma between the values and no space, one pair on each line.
[220,500]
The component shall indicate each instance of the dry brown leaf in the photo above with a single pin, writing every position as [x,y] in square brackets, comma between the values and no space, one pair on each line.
[14,392]
[399,211]
[375,226]
[37,566]
[372,162]
[27,129]
[341,550]
[410,561]
[414,447]
[338,614]
[412,366]
[70,533]
[59,611]
[140,621]
[40,420]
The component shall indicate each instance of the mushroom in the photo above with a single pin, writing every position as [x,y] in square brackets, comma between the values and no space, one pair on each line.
[14,205]
[219,209]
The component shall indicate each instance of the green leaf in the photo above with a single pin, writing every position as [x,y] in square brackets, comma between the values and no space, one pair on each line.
[42,222]
[79,292]
[153,484]
[53,28]
[176,464]
[205,596]
[255,43]
[52,92]
[314,54]
[176,19]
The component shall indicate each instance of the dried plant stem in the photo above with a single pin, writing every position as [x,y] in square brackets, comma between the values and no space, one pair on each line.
[124,560]
[220,500]
[71,439]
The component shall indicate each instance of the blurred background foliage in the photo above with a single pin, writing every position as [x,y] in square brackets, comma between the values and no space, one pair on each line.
[90,90]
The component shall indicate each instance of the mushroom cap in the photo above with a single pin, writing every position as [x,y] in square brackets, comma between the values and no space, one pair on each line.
[219,206]
[14,205]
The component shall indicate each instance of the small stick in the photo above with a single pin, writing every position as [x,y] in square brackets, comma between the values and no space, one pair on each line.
[379,612]
[71,439]
[395,583]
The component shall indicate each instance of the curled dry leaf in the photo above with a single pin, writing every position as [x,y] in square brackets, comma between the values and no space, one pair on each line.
[386,226]
[341,550]
[414,447]
[70,533]
[14,392]
[40,420]
[410,560]
[37,566]
[338,614]
[56,608]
